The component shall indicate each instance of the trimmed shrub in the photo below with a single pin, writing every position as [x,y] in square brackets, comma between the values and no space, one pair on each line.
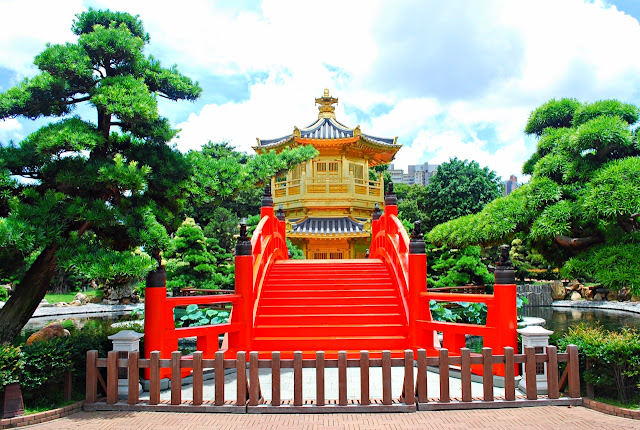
[614,359]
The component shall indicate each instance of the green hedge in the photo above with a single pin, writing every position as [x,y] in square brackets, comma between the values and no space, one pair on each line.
[614,359]
[46,362]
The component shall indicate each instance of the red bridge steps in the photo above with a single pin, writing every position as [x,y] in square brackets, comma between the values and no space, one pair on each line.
[329,305]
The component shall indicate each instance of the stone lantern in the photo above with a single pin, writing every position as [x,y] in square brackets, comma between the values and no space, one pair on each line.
[537,337]
[126,341]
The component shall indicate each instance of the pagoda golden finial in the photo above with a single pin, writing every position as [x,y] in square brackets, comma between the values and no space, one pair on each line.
[326,108]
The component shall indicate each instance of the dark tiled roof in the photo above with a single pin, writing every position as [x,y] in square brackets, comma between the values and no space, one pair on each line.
[328,226]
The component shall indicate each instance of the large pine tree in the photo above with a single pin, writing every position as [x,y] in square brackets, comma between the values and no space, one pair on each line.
[109,183]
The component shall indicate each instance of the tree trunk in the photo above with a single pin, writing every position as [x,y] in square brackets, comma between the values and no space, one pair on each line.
[28,294]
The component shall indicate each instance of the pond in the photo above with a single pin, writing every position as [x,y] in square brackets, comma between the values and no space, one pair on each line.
[560,319]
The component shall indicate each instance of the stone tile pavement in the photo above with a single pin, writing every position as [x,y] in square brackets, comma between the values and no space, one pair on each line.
[539,418]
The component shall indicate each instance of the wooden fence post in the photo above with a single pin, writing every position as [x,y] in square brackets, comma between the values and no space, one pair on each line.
[154,377]
[91,387]
[487,374]
[552,372]
[465,376]
[241,378]
[342,378]
[421,379]
[297,378]
[176,378]
[530,371]
[574,371]
[219,378]
[112,377]
[409,394]
[133,374]
[509,374]
[275,378]
[386,377]
[198,378]
[254,381]
[320,378]
[444,375]
[364,378]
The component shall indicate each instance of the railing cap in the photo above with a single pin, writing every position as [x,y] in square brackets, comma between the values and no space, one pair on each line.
[243,247]
[376,212]
[390,198]
[416,244]
[267,198]
[504,273]
[280,214]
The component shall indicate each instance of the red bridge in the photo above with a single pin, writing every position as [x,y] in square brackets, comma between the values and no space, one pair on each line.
[375,304]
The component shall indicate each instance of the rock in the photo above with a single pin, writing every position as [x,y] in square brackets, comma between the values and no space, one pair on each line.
[52,330]
[573,285]
[635,298]
[588,293]
[61,304]
[575,296]
[95,300]
[75,303]
[613,295]
[125,301]
[45,304]
[599,296]
[624,294]
[558,292]
[82,298]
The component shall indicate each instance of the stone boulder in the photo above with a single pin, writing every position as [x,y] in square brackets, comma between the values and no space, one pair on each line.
[588,293]
[574,285]
[624,294]
[613,295]
[75,303]
[52,330]
[575,296]
[558,292]
[82,298]
[96,300]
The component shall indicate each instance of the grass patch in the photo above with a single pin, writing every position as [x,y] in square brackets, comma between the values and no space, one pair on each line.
[631,404]
[66,298]
[48,404]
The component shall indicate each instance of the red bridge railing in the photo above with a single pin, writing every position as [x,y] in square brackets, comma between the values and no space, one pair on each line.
[406,257]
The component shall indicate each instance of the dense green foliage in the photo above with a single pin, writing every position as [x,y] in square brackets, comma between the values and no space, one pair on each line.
[453,268]
[614,359]
[11,365]
[91,192]
[580,210]
[197,261]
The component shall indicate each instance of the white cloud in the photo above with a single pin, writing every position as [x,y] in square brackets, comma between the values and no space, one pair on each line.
[26,27]
[10,129]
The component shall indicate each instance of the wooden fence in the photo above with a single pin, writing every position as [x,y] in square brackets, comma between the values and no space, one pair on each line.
[249,397]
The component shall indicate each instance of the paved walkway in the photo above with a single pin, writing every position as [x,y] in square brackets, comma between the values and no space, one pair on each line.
[544,417]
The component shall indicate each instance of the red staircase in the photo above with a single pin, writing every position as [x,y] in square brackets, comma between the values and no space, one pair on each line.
[329,305]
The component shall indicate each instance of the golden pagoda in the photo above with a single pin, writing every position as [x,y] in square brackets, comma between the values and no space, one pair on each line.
[328,201]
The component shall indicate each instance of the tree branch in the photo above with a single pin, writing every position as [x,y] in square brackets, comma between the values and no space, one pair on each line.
[577,243]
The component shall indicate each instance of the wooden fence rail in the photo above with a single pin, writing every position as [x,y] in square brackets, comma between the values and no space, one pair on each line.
[414,396]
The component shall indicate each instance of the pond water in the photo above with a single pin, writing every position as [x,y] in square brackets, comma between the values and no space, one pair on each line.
[560,319]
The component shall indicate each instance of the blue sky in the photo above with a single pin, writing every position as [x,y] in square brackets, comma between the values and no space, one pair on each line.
[450,79]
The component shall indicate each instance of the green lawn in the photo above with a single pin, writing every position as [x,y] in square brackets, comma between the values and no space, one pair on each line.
[57,298]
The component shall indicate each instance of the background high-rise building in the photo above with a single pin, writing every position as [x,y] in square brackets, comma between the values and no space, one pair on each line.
[510,185]
[417,174]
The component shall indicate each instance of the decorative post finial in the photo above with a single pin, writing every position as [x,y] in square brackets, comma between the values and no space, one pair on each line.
[376,212]
[504,273]
[416,244]
[390,197]
[267,199]
[280,214]
[243,247]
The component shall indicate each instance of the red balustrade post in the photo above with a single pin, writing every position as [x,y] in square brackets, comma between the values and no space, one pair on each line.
[243,310]
[155,299]
[504,292]
[418,284]
[375,221]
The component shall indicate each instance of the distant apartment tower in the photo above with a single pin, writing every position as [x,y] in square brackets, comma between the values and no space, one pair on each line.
[510,185]
[417,174]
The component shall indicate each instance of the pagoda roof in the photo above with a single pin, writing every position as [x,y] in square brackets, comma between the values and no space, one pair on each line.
[327,129]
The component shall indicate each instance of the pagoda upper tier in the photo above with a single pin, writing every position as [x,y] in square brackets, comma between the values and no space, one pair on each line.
[327,134]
